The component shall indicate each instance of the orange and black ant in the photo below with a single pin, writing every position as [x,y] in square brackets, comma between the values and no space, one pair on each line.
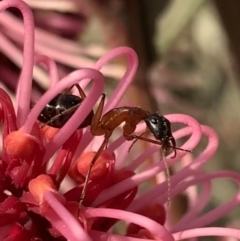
[63,106]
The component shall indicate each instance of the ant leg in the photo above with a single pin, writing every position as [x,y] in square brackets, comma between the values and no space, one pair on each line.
[134,142]
[96,120]
[100,150]
[96,130]
[175,153]
[68,89]
[132,137]
[174,147]
[80,90]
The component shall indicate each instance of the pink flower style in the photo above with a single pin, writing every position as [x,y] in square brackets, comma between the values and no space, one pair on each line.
[42,169]
[50,27]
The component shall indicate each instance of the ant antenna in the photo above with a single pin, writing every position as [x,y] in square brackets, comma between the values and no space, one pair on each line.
[178,148]
[167,172]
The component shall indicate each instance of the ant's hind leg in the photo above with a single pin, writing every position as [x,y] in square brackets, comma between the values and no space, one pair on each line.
[97,117]
[97,155]
[80,90]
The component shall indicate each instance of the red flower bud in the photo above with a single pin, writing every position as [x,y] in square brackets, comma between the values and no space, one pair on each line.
[16,229]
[155,211]
[143,234]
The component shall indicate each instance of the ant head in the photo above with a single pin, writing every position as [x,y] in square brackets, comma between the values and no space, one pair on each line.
[160,127]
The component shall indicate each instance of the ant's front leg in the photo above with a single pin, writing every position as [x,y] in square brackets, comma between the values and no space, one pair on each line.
[173,142]
[132,137]
[97,155]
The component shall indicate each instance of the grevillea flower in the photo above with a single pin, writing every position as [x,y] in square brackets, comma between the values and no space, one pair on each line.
[42,169]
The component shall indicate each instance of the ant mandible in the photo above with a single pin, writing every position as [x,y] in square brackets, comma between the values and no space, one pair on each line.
[62,107]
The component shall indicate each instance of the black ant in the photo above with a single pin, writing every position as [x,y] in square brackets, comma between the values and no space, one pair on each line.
[63,106]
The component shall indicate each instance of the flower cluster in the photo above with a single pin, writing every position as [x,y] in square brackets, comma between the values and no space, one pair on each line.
[42,169]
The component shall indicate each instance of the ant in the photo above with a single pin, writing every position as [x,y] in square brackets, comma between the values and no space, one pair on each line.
[62,107]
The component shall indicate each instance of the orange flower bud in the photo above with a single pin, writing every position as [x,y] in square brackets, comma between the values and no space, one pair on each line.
[40,184]
[19,144]
[48,132]
[100,168]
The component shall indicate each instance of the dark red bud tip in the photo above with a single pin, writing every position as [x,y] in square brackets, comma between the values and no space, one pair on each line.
[40,184]
[145,234]
[19,144]
[120,175]
[75,210]
[155,211]
[16,229]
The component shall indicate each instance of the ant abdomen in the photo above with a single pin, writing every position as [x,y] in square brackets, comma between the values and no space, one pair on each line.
[60,104]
